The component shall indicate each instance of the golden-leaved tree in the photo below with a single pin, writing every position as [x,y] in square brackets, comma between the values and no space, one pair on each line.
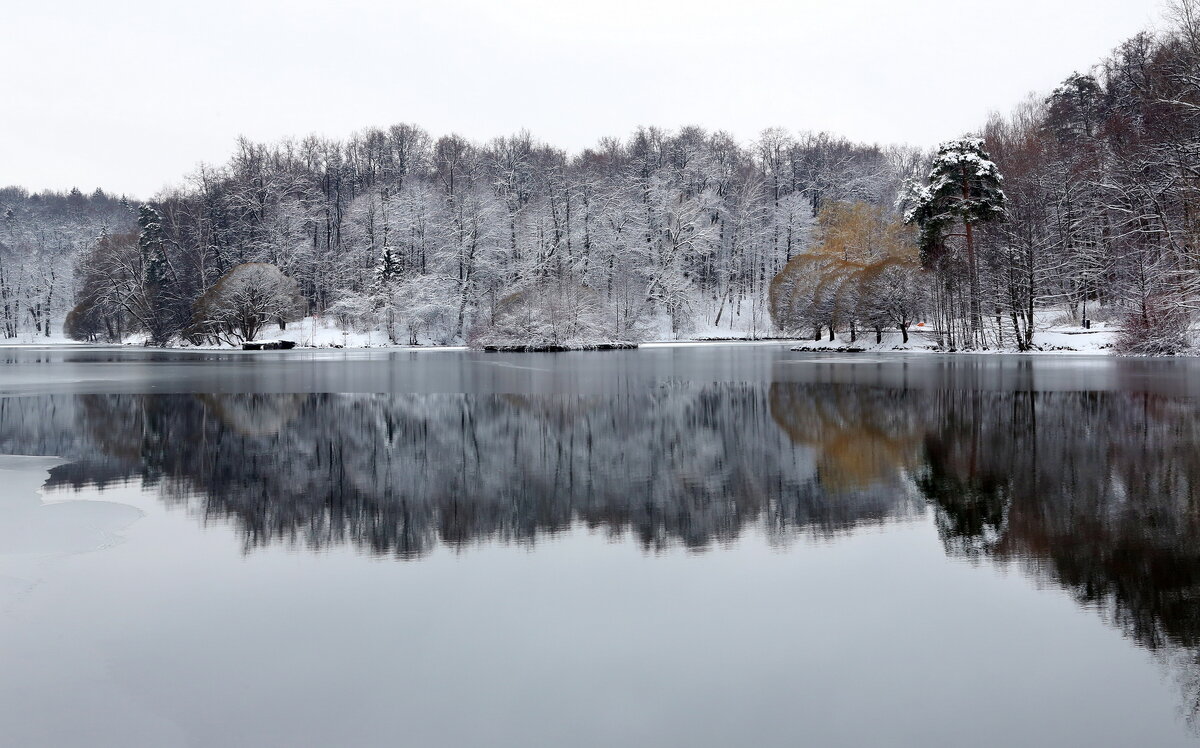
[863,270]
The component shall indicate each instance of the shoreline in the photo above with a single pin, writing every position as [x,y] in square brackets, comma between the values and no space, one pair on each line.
[793,345]
[1053,339]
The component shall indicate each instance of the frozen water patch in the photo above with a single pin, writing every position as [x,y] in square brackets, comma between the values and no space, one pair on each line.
[34,531]
[29,525]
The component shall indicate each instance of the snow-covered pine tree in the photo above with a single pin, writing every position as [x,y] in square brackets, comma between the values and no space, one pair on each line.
[963,188]
[388,275]
[389,266]
[155,274]
[150,242]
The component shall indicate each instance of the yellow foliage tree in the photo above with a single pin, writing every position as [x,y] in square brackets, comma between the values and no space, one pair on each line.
[861,252]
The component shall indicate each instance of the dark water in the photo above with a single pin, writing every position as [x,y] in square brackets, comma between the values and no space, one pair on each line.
[674,546]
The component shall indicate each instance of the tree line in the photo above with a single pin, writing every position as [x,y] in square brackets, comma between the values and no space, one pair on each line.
[42,238]
[439,239]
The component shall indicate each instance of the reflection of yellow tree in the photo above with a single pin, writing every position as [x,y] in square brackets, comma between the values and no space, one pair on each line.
[864,262]
[559,410]
[861,439]
[254,415]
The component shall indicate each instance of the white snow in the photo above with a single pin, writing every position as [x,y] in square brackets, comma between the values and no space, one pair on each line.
[325,332]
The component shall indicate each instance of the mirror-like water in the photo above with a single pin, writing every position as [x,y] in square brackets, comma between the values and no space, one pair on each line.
[673,546]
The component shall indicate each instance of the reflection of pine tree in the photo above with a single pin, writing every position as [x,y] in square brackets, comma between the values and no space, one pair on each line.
[970,510]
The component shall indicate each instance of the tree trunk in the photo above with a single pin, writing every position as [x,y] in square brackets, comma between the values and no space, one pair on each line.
[972,270]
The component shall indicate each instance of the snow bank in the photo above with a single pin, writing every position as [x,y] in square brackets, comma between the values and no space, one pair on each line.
[325,332]
[1065,339]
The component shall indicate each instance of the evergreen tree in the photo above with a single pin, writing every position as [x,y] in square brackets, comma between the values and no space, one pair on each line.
[389,266]
[387,276]
[963,189]
[150,242]
[155,274]
[1075,109]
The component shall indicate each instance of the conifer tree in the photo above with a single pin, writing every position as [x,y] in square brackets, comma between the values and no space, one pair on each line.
[150,242]
[963,189]
[155,272]
[389,266]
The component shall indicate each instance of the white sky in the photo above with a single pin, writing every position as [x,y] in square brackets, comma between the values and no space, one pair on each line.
[131,95]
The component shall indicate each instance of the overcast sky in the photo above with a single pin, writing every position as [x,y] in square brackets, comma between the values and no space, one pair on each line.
[130,96]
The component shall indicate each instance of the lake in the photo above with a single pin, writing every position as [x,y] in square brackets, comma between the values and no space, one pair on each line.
[678,546]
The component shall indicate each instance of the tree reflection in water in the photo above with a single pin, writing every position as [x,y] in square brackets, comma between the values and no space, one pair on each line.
[395,474]
[1095,492]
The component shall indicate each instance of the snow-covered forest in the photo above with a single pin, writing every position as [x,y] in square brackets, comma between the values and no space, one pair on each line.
[439,239]
[1078,206]
[43,237]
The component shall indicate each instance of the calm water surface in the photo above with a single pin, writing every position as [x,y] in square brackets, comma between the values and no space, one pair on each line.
[678,546]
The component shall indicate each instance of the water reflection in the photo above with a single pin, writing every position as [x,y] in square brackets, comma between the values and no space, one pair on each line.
[395,474]
[1091,491]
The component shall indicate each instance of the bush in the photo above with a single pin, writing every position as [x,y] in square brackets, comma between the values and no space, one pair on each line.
[82,323]
[1159,329]
[243,302]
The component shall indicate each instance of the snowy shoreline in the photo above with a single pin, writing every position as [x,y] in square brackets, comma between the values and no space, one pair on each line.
[1059,340]
[326,334]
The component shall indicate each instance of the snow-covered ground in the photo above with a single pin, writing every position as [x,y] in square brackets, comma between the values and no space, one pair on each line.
[29,339]
[326,333]
[1065,339]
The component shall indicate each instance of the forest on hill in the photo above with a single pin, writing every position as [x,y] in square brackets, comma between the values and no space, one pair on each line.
[1077,206]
